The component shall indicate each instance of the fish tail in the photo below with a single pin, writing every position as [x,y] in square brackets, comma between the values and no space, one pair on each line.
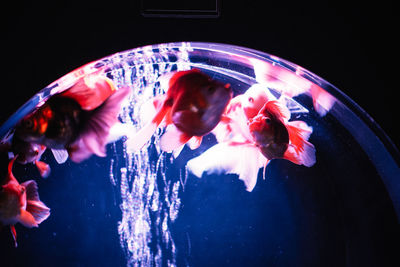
[195,142]
[14,235]
[10,166]
[300,151]
[322,100]
[94,136]
[43,168]
[244,160]
[34,206]
[140,138]
[173,139]
[26,218]
[278,108]
[265,168]
[90,91]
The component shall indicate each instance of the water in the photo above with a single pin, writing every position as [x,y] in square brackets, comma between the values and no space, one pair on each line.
[147,209]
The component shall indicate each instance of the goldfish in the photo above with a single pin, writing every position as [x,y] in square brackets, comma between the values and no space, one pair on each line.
[192,106]
[75,123]
[276,137]
[20,203]
[249,140]
[26,152]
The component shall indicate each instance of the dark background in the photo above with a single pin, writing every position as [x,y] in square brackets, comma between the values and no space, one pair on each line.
[351,45]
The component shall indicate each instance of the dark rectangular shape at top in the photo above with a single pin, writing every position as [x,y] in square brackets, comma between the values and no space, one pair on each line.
[180,8]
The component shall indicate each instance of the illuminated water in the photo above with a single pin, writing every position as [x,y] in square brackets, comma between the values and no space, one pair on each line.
[146,209]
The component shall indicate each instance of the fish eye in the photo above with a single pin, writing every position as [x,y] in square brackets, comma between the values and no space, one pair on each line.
[211,89]
[28,124]
[251,100]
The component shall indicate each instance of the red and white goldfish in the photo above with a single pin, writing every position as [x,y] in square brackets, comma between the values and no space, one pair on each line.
[76,122]
[276,137]
[20,203]
[248,141]
[192,106]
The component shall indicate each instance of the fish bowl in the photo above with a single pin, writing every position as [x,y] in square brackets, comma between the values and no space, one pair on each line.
[149,207]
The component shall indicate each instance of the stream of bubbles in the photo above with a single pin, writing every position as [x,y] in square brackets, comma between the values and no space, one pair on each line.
[149,201]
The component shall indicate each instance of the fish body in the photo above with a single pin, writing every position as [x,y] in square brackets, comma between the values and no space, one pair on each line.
[27,152]
[56,124]
[76,122]
[192,106]
[20,203]
[269,132]
[197,102]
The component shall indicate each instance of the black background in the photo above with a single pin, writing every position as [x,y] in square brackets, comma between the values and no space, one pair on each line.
[351,45]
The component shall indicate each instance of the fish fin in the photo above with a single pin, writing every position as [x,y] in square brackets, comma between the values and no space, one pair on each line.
[158,101]
[10,176]
[43,168]
[177,152]
[278,108]
[235,103]
[222,131]
[299,132]
[163,110]
[27,219]
[300,151]
[168,117]
[60,155]
[265,167]
[118,130]
[150,108]
[173,139]
[31,190]
[322,100]
[94,136]
[136,141]
[165,78]
[78,152]
[91,91]
[34,206]
[195,142]
[14,235]
[223,158]
[274,76]
[141,137]
[38,210]
[306,157]
[264,71]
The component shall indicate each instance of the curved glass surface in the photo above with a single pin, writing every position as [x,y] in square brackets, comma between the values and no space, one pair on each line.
[153,211]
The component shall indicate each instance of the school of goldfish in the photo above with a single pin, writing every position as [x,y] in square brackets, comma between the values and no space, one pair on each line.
[251,130]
